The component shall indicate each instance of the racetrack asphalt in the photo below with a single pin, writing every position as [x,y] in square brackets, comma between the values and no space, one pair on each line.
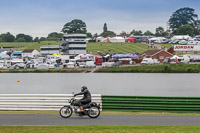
[56,120]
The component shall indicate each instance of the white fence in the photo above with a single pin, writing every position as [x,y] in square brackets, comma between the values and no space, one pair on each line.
[38,101]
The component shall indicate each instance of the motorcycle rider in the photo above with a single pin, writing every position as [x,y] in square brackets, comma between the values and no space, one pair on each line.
[86,98]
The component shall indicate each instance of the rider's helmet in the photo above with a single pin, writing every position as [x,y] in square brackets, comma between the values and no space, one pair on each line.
[83,88]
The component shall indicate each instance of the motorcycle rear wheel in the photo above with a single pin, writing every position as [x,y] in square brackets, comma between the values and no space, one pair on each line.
[93,112]
[66,111]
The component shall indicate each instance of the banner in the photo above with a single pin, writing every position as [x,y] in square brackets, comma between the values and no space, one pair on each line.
[186,47]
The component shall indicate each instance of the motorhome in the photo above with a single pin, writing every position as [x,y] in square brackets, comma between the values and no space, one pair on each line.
[159,40]
[149,61]
[179,60]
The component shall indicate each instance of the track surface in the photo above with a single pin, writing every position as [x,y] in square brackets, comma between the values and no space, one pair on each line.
[55,120]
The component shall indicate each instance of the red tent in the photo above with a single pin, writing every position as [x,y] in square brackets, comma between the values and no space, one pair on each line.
[106,39]
[131,40]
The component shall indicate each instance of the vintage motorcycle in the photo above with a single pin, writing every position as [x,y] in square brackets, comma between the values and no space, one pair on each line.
[90,109]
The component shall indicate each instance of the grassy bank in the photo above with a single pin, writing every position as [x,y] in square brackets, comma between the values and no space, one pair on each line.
[75,70]
[28,45]
[117,47]
[178,68]
[99,129]
[91,47]
[167,45]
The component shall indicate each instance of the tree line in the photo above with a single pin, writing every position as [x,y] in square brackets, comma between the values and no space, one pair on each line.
[183,21]
[8,37]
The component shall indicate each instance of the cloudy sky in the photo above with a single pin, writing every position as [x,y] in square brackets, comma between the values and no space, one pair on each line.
[41,17]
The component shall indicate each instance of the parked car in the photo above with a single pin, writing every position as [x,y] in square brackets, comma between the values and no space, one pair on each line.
[108,64]
[193,43]
[70,65]
[82,64]
[90,64]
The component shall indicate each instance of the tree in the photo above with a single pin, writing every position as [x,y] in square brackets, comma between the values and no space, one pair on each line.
[54,36]
[136,33]
[43,39]
[123,33]
[7,37]
[21,39]
[105,29]
[160,31]
[185,30]
[89,35]
[148,33]
[75,26]
[197,27]
[106,33]
[182,17]
[27,38]
[36,39]
[95,35]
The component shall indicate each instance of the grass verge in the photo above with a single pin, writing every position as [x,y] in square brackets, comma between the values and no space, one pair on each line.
[178,68]
[99,129]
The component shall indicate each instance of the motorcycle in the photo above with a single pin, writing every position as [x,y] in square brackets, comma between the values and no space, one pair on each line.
[90,109]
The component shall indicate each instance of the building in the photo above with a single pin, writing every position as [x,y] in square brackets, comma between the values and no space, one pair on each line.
[49,49]
[73,44]
[31,53]
[156,54]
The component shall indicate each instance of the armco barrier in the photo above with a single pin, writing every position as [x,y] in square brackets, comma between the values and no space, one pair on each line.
[38,101]
[150,103]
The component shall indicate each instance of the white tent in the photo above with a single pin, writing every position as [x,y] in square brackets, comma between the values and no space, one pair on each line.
[117,39]
[100,39]
[181,37]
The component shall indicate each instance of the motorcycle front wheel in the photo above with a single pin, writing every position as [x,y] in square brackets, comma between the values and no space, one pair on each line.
[93,112]
[66,111]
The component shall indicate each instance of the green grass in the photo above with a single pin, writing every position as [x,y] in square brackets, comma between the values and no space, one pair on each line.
[178,68]
[28,45]
[100,129]
[117,47]
[91,47]
[167,45]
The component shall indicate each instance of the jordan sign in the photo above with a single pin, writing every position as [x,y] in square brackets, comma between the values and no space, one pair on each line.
[186,47]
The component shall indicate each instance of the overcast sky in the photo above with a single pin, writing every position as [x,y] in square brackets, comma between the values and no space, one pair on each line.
[41,17]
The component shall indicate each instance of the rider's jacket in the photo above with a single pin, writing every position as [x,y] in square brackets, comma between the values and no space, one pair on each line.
[86,94]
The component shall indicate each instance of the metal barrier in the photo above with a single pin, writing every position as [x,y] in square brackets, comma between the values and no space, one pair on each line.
[152,104]
[38,101]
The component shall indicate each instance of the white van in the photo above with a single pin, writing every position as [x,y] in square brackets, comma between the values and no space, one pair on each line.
[147,61]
